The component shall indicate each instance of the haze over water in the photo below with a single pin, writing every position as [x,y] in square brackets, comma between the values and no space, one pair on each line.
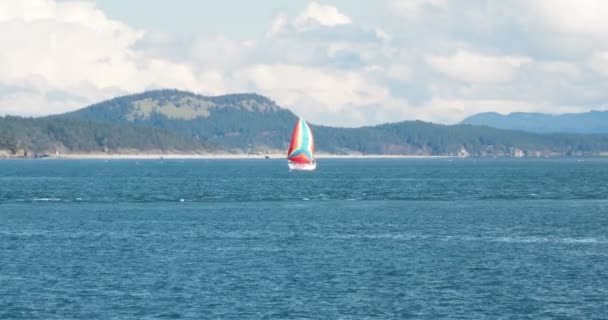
[356,239]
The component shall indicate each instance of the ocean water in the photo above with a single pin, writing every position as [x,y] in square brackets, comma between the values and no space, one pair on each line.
[356,239]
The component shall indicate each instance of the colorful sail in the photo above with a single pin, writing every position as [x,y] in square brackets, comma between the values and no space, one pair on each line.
[302,144]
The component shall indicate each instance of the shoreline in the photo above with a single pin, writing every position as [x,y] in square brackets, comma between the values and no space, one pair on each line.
[220,156]
[231,156]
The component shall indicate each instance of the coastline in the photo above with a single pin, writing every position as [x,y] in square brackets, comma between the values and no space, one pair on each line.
[225,156]
[235,156]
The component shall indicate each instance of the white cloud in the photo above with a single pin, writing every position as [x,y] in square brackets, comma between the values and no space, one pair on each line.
[335,48]
[279,24]
[319,94]
[400,72]
[478,68]
[73,47]
[598,62]
[453,110]
[72,12]
[559,68]
[337,89]
[322,15]
[413,8]
[28,103]
[214,82]
[220,51]
[579,17]
[436,60]
[383,35]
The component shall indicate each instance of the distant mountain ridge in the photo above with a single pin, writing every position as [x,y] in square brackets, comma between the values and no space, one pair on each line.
[592,122]
[170,121]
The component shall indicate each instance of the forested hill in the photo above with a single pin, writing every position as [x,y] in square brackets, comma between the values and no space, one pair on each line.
[423,138]
[237,122]
[166,121]
[34,137]
[253,123]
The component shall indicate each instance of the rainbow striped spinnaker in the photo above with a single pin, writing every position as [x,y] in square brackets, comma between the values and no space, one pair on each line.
[301,148]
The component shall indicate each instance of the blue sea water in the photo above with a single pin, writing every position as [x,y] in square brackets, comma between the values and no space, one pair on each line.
[356,239]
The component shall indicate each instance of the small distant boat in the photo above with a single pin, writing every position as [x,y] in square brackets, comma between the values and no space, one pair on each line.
[300,153]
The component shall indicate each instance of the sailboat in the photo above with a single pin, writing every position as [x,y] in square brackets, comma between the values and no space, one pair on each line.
[300,153]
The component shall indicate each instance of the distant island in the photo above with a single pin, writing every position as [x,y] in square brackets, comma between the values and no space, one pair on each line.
[592,122]
[179,122]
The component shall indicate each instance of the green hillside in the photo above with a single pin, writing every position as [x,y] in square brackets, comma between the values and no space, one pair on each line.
[233,122]
[35,137]
[250,122]
[171,121]
[423,138]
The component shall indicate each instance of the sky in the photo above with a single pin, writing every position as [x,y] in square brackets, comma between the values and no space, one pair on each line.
[334,62]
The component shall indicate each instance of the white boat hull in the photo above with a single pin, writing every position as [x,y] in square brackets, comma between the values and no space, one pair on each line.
[302,166]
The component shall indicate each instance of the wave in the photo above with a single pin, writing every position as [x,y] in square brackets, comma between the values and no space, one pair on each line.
[554,240]
[46,199]
[430,237]
[384,236]
[253,198]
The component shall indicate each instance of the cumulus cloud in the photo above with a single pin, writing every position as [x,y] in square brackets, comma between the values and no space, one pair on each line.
[326,91]
[70,54]
[478,68]
[434,60]
[586,17]
[561,69]
[73,47]
[599,62]
[322,15]
[413,8]
[315,16]
[445,110]
[279,24]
